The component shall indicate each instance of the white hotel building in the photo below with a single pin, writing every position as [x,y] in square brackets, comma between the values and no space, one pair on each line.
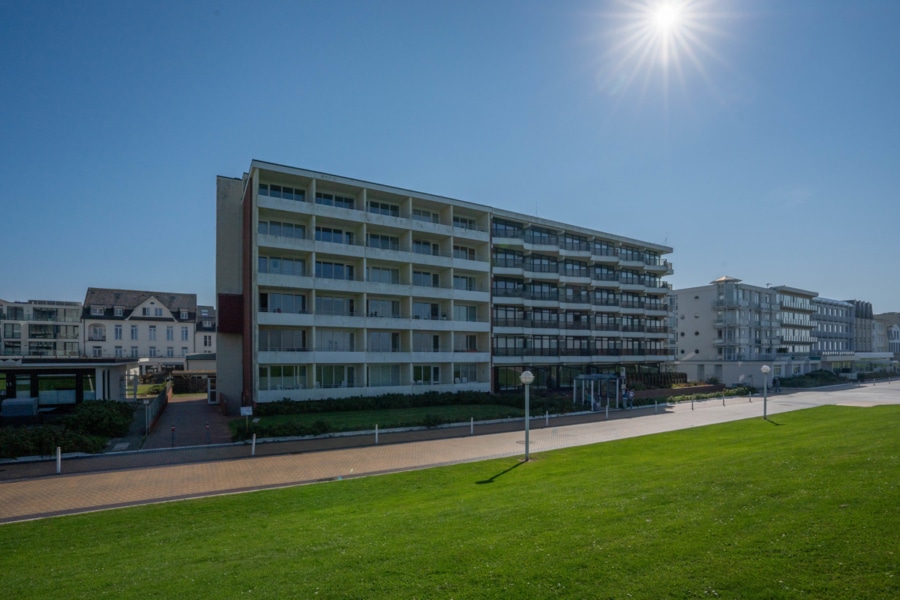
[332,287]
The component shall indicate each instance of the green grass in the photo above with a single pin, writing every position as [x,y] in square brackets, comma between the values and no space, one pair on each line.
[360,420]
[805,506]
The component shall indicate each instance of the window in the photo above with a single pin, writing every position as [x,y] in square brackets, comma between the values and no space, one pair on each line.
[383,308]
[96,352]
[170,351]
[282,377]
[383,341]
[427,216]
[539,235]
[97,311]
[384,242]
[184,334]
[426,342]
[383,275]
[170,333]
[118,332]
[383,375]
[282,191]
[97,333]
[426,279]
[463,222]
[335,305]
[334,200]
[207,324]
[152,351]
[462,282]
[134,352]
[334,376]
[464,252]
[462,312]
[12,331]
[145,312]
[335,340]
[425,247]
[383,208]
[508,229]
[507,258]
[157,312]
[152,332]
[465,373]
[207,341]
[425,310]
[333,235]
[118,311]
[134,332]
[426,374]
[281,229]
[282,266]
[277,303]
[282,340]
[118,351]
[330,270]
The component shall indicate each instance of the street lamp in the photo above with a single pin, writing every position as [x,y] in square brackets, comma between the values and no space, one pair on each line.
[765,371]
[527,378]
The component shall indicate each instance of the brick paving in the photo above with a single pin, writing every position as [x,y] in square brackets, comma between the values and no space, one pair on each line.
[33,490]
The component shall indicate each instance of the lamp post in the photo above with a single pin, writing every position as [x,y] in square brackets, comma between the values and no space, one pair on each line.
[527,378]
[765,371]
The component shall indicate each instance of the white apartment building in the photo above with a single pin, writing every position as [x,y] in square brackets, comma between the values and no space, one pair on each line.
[205,331]
[47,328]
[729,329]
[334,287]
[157,328]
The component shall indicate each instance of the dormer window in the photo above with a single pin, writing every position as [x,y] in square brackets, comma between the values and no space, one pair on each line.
[184,315]
[119,311]
[96,311]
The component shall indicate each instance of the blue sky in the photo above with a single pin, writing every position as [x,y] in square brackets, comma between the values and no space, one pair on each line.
[765,145]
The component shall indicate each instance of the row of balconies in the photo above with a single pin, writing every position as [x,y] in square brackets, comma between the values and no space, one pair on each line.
[594,326]
[524,237]
[404,219]
[661,352]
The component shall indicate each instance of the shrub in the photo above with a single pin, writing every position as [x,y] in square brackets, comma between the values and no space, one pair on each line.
[101,417]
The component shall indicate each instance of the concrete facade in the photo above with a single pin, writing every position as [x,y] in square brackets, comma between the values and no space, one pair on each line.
[333,287]
[40,328]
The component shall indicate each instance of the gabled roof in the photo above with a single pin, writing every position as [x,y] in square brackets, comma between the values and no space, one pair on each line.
[128,300]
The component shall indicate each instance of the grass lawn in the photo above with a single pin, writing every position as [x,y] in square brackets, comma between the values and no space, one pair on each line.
[806,506]
[360,420]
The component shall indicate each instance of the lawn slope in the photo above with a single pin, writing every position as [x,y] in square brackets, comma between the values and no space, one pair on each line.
[805,506]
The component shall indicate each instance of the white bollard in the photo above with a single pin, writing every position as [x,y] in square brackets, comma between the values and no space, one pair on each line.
[376,435]
[471,425]
[253,447]
[547,419]
[58,460]
[607,410]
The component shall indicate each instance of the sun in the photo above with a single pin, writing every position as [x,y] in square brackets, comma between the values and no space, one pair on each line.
[651,44]
[665,17]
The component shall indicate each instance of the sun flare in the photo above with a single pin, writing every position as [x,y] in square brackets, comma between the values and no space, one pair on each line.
[664,41]
[666,17]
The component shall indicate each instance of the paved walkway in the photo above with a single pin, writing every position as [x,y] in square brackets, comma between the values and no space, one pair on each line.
[30,496]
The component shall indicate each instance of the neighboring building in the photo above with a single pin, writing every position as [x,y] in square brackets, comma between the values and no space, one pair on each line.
[40,328]
[728,329]
[205,332]
[891,322]
[157,328]
[835,333]
[864,326]
[835,326]
[333,287]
